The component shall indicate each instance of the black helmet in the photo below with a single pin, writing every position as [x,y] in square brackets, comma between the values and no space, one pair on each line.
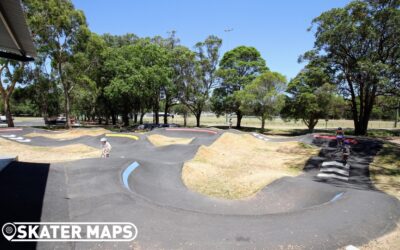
[339,128]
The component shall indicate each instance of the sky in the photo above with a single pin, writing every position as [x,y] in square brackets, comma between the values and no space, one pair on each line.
[278,29]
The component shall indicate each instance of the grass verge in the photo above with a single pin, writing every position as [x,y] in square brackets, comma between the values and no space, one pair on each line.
[385,173]
[385,169]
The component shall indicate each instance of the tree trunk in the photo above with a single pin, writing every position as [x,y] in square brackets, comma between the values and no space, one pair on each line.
[311,123]
[67,109]
[262,124]
[45,114]
[125,119]
[166,110]
[7,110]
[113,119]
[198,116]
[156,116]
[361,122]
[135,116]
[66,97]
[184,119]
[7,92]
[396,119]
[141,117]
[239,117]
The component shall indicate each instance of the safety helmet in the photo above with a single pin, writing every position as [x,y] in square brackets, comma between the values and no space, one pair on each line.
[339,128]
[103,139]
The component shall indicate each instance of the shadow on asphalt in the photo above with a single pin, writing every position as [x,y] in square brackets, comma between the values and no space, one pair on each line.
[362,155]
[22,188]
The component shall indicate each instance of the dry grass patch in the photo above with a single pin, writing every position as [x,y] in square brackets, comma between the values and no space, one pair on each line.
[238,165]
[160,140]
[385,169]
[48,154]
[71,133]
[385,173]
[388,241]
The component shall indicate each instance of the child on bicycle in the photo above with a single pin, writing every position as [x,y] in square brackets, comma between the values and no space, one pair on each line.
[339,137]
[346,151]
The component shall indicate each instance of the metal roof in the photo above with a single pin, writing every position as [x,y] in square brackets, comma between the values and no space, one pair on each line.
[15,38]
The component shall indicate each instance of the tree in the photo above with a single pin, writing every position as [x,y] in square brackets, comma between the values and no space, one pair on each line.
[310,96]
[201,77]
[137,73]
[59,31]
[11,72]
[360,45]
[86,69]
[263,97]
[42,88]
[238,68]
[170,88]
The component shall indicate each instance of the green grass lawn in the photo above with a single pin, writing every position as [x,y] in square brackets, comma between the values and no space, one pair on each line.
[277,123]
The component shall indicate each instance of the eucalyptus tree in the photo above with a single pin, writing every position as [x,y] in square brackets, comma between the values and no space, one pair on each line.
[11,72]
[170,88]
[59,31]
[42,87]
[360,45]
[199,89]
[86,69]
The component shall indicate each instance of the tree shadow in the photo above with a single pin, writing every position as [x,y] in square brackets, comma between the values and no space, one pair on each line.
[22,189]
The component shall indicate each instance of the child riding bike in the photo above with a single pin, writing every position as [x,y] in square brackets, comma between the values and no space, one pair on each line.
[346,151]
[339,138]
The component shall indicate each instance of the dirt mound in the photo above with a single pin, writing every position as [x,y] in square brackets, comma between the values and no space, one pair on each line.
[71,133]
[48,154]
[160,140]
[238,165]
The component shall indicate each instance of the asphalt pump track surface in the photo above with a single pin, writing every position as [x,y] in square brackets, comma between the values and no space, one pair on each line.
[303,212]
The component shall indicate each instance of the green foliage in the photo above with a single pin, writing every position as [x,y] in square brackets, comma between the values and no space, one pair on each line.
[11,72]
[238,68]
[359,43]
[107,76]
[200,75]
[137,72]
[60,31]
[310,96]
[263,97]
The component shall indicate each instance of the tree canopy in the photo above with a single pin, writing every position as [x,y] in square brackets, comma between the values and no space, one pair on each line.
[310,96]
[238,68]
[359,43]
[352,72]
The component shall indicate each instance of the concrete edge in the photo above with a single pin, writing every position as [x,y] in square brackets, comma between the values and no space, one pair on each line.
[5,160]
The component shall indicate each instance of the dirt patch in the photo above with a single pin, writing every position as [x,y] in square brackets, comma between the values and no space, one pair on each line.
[160,140]
[71,133]
[48,154]
[388,241]
[395,140]
[238,165]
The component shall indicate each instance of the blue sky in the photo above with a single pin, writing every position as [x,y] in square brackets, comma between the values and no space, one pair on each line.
[278,29]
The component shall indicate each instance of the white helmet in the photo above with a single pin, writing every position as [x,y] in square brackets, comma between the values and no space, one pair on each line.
[103,139]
